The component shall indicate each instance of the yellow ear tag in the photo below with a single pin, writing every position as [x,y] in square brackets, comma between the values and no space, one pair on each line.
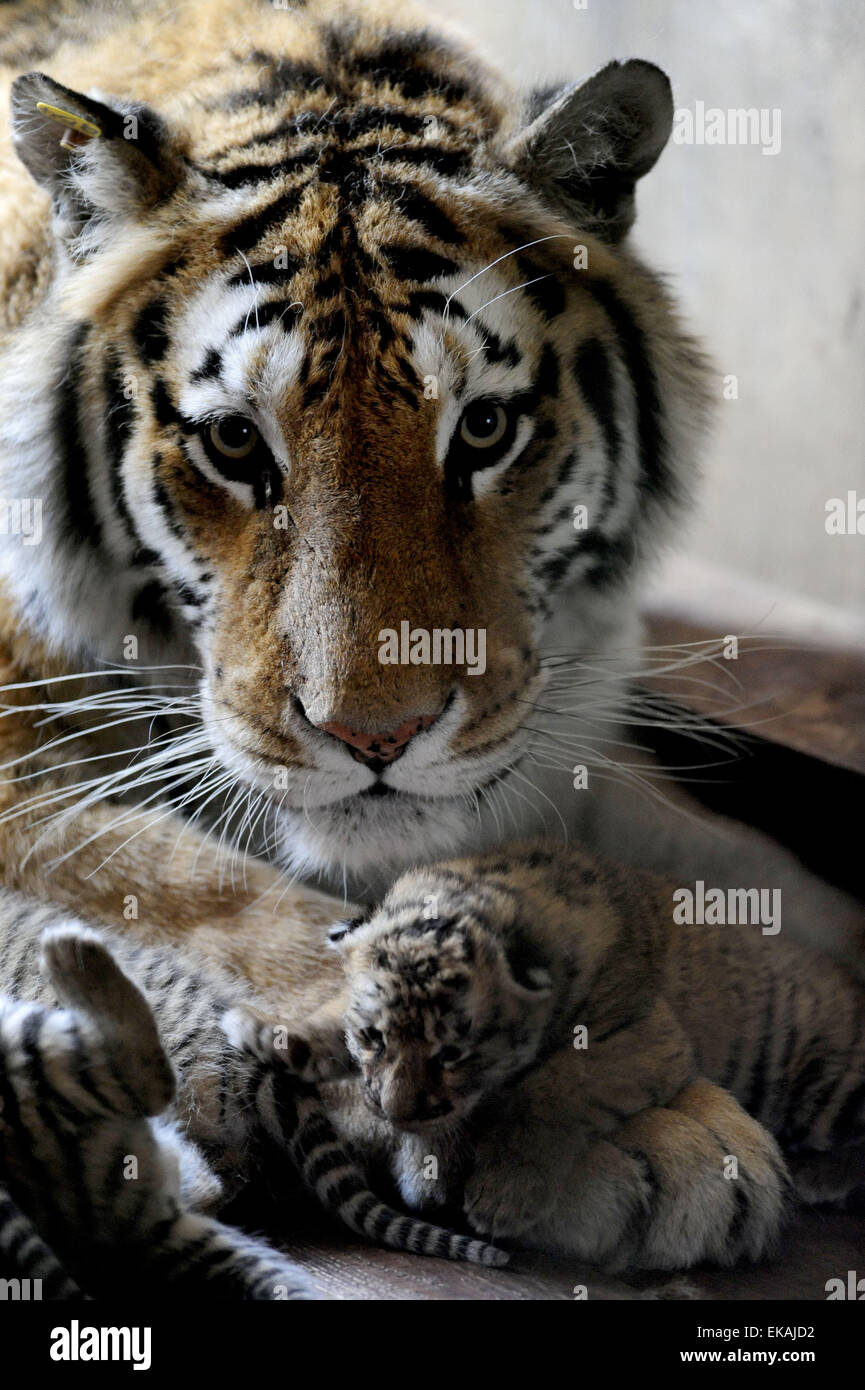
[78,128]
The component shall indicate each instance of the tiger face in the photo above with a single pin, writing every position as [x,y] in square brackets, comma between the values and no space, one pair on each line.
[349,385]
[446,999]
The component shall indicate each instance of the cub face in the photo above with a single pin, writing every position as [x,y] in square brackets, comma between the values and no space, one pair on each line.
[441,1011]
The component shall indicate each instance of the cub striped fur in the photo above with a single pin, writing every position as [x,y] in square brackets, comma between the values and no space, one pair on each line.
[593,1076]
[166,1076]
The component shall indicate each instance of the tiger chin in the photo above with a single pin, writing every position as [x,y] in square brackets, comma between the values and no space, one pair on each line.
[537,1042]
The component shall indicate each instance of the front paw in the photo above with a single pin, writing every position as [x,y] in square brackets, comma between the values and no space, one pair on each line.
[318,1056]
[506,1198]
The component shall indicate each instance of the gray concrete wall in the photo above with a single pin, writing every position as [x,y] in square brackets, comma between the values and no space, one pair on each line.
[768,252]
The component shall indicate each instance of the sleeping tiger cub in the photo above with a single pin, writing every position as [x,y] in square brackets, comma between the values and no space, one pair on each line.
[537,1039]
[88,1090]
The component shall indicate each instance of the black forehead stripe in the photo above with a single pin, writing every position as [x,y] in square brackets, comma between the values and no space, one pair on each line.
[315,390]
[404,64]
[329,286]
[443,161]
[81,517]
[286,126]
[210,367]
[417,264]
[542,286]
[381,324]
[655,472]
[420,300]
[365,119]
[248,233]
[332,326]
[417,207]
[342,245]
[284,76]
[408,371]
[150,331]
[266,272]
[262,315]
[391,387]
[496,349]
[243,174]
[164,409]
[370,119]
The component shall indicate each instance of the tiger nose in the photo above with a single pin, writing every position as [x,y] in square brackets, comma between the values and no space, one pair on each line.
[381,747]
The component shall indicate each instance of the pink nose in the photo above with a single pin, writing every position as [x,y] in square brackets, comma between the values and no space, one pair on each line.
[381,748]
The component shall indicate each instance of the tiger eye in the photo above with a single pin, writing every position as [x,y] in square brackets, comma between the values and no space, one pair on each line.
[483,425]
[234,436]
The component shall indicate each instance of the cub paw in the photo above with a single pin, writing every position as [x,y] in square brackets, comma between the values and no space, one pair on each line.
[506,1197]
[313,1059]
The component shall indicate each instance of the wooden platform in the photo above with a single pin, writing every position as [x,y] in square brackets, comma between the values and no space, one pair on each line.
[819,1245]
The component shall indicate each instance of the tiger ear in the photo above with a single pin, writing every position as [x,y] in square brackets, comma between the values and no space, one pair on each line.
[528,970]
[586,145]
[92,158]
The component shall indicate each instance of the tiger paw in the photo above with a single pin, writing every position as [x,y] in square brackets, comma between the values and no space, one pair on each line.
[509,1194]
[697,1180]
[315,1056]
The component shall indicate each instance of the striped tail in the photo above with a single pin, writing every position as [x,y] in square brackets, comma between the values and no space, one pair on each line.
[338,1182]
[22,1245]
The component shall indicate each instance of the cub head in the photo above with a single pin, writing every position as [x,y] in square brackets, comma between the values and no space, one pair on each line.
[446,1001]
[343,387]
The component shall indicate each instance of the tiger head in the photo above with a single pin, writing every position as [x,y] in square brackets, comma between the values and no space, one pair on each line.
[343,389]
[447,997]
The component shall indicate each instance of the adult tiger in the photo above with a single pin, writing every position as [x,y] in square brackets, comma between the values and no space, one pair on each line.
[312,329]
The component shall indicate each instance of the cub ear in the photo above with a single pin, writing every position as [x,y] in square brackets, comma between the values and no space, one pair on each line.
[587,144]
[90,157]
[337,934]
[529,972]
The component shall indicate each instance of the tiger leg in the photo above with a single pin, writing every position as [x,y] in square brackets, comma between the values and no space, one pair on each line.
[159,879]
[696,1179]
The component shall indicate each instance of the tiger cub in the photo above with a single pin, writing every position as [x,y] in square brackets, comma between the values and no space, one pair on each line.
[119,1134]
[663,1060]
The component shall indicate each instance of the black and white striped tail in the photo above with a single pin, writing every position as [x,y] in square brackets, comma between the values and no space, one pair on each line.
[24,1248]
[338,1182]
